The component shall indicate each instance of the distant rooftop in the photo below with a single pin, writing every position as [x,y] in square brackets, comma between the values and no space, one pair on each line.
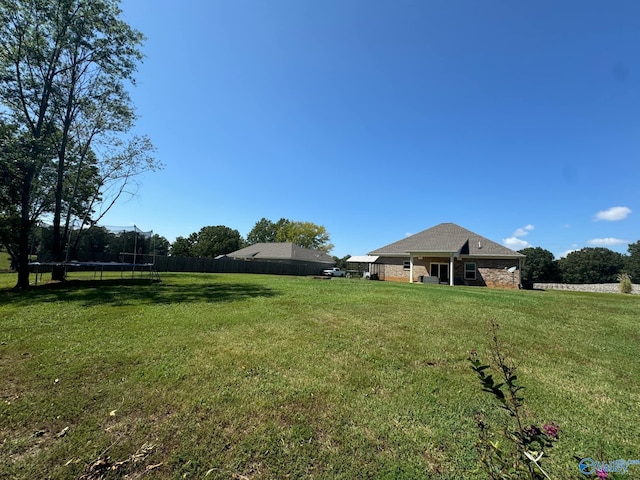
[282,251]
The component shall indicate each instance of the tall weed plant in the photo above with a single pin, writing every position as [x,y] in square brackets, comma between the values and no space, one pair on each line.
[517,449]
[625,283]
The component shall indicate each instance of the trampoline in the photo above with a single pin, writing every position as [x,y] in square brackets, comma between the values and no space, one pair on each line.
[38,268]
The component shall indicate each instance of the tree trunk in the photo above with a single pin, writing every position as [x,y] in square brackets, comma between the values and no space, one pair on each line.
[23,257]
[57,273]
[25,230]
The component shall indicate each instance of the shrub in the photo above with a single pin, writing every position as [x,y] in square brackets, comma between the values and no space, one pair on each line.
[625,283]
[517,449]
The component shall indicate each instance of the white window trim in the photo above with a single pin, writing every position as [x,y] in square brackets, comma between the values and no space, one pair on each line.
[467,271]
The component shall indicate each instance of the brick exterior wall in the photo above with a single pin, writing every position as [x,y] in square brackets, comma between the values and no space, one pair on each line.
[493,273]
[489,272]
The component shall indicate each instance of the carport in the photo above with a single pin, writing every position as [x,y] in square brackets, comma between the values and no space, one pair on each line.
[361,264]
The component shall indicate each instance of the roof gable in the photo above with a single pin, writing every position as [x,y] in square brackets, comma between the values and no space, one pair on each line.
[446,238]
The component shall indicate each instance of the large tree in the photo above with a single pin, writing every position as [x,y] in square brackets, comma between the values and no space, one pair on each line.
[264,231]
[25,191]
[304,234]
[182,247]
[539,266]
[216,240]
[160,245]
[591,265]
[632,265]
[64,67]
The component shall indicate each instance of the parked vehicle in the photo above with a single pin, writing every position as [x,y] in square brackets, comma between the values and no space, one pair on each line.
[333,272]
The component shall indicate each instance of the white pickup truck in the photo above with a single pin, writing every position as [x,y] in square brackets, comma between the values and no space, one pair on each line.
[333,272]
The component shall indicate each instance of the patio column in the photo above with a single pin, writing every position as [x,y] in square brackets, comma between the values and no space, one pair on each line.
[410,268]
[519,272]
[451,269]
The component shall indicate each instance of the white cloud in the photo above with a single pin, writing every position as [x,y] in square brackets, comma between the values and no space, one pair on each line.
[407,234]
[524,231]
[515,243]
[605,242]
[612,214]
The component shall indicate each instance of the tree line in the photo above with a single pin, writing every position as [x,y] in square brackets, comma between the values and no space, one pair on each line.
[219,240]
[208,242]
[588,265]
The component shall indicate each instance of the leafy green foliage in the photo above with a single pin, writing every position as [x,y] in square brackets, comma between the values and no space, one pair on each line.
[264,231]
[209,242]
[342,262]
[182,247]
[213,241]
[159,245]
[540,265]
[93,243]
[304,234]
[591,265]
[632,264]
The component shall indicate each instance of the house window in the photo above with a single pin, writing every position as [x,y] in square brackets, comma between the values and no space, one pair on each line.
[407,265]
[469,271]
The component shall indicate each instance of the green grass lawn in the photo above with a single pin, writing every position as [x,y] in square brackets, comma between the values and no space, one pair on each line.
[5,261]
[251,376]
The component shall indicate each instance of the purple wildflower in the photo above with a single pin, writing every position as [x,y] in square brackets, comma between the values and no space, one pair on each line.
[602,473]
[551,429]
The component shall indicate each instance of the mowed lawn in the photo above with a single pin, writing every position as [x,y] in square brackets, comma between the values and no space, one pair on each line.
[260,377]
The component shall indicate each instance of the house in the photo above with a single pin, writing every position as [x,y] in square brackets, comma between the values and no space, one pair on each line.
[449,254]
[289,253]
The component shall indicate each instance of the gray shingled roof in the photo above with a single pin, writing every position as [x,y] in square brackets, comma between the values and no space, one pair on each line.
[446,238]
[282,251]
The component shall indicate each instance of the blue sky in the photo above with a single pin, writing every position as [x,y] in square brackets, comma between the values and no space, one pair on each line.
[378,119]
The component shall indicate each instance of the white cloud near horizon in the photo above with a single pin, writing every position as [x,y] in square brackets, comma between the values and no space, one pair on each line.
[605,242]
[612,214]
[523,231]
[515,243]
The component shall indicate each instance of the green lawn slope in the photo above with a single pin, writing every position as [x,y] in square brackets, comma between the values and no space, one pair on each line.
[261,377]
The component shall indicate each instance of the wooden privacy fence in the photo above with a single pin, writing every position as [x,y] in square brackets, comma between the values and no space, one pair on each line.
[188,264]
[210,265]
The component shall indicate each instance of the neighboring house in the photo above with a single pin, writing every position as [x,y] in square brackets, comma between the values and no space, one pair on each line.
[450,254]
[284,253]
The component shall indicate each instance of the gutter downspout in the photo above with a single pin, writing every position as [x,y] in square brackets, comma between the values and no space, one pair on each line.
[451,270]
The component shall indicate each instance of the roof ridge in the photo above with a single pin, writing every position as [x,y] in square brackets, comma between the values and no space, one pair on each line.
[445,237]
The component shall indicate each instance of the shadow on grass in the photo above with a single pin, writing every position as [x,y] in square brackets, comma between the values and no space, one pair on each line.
[119,292]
